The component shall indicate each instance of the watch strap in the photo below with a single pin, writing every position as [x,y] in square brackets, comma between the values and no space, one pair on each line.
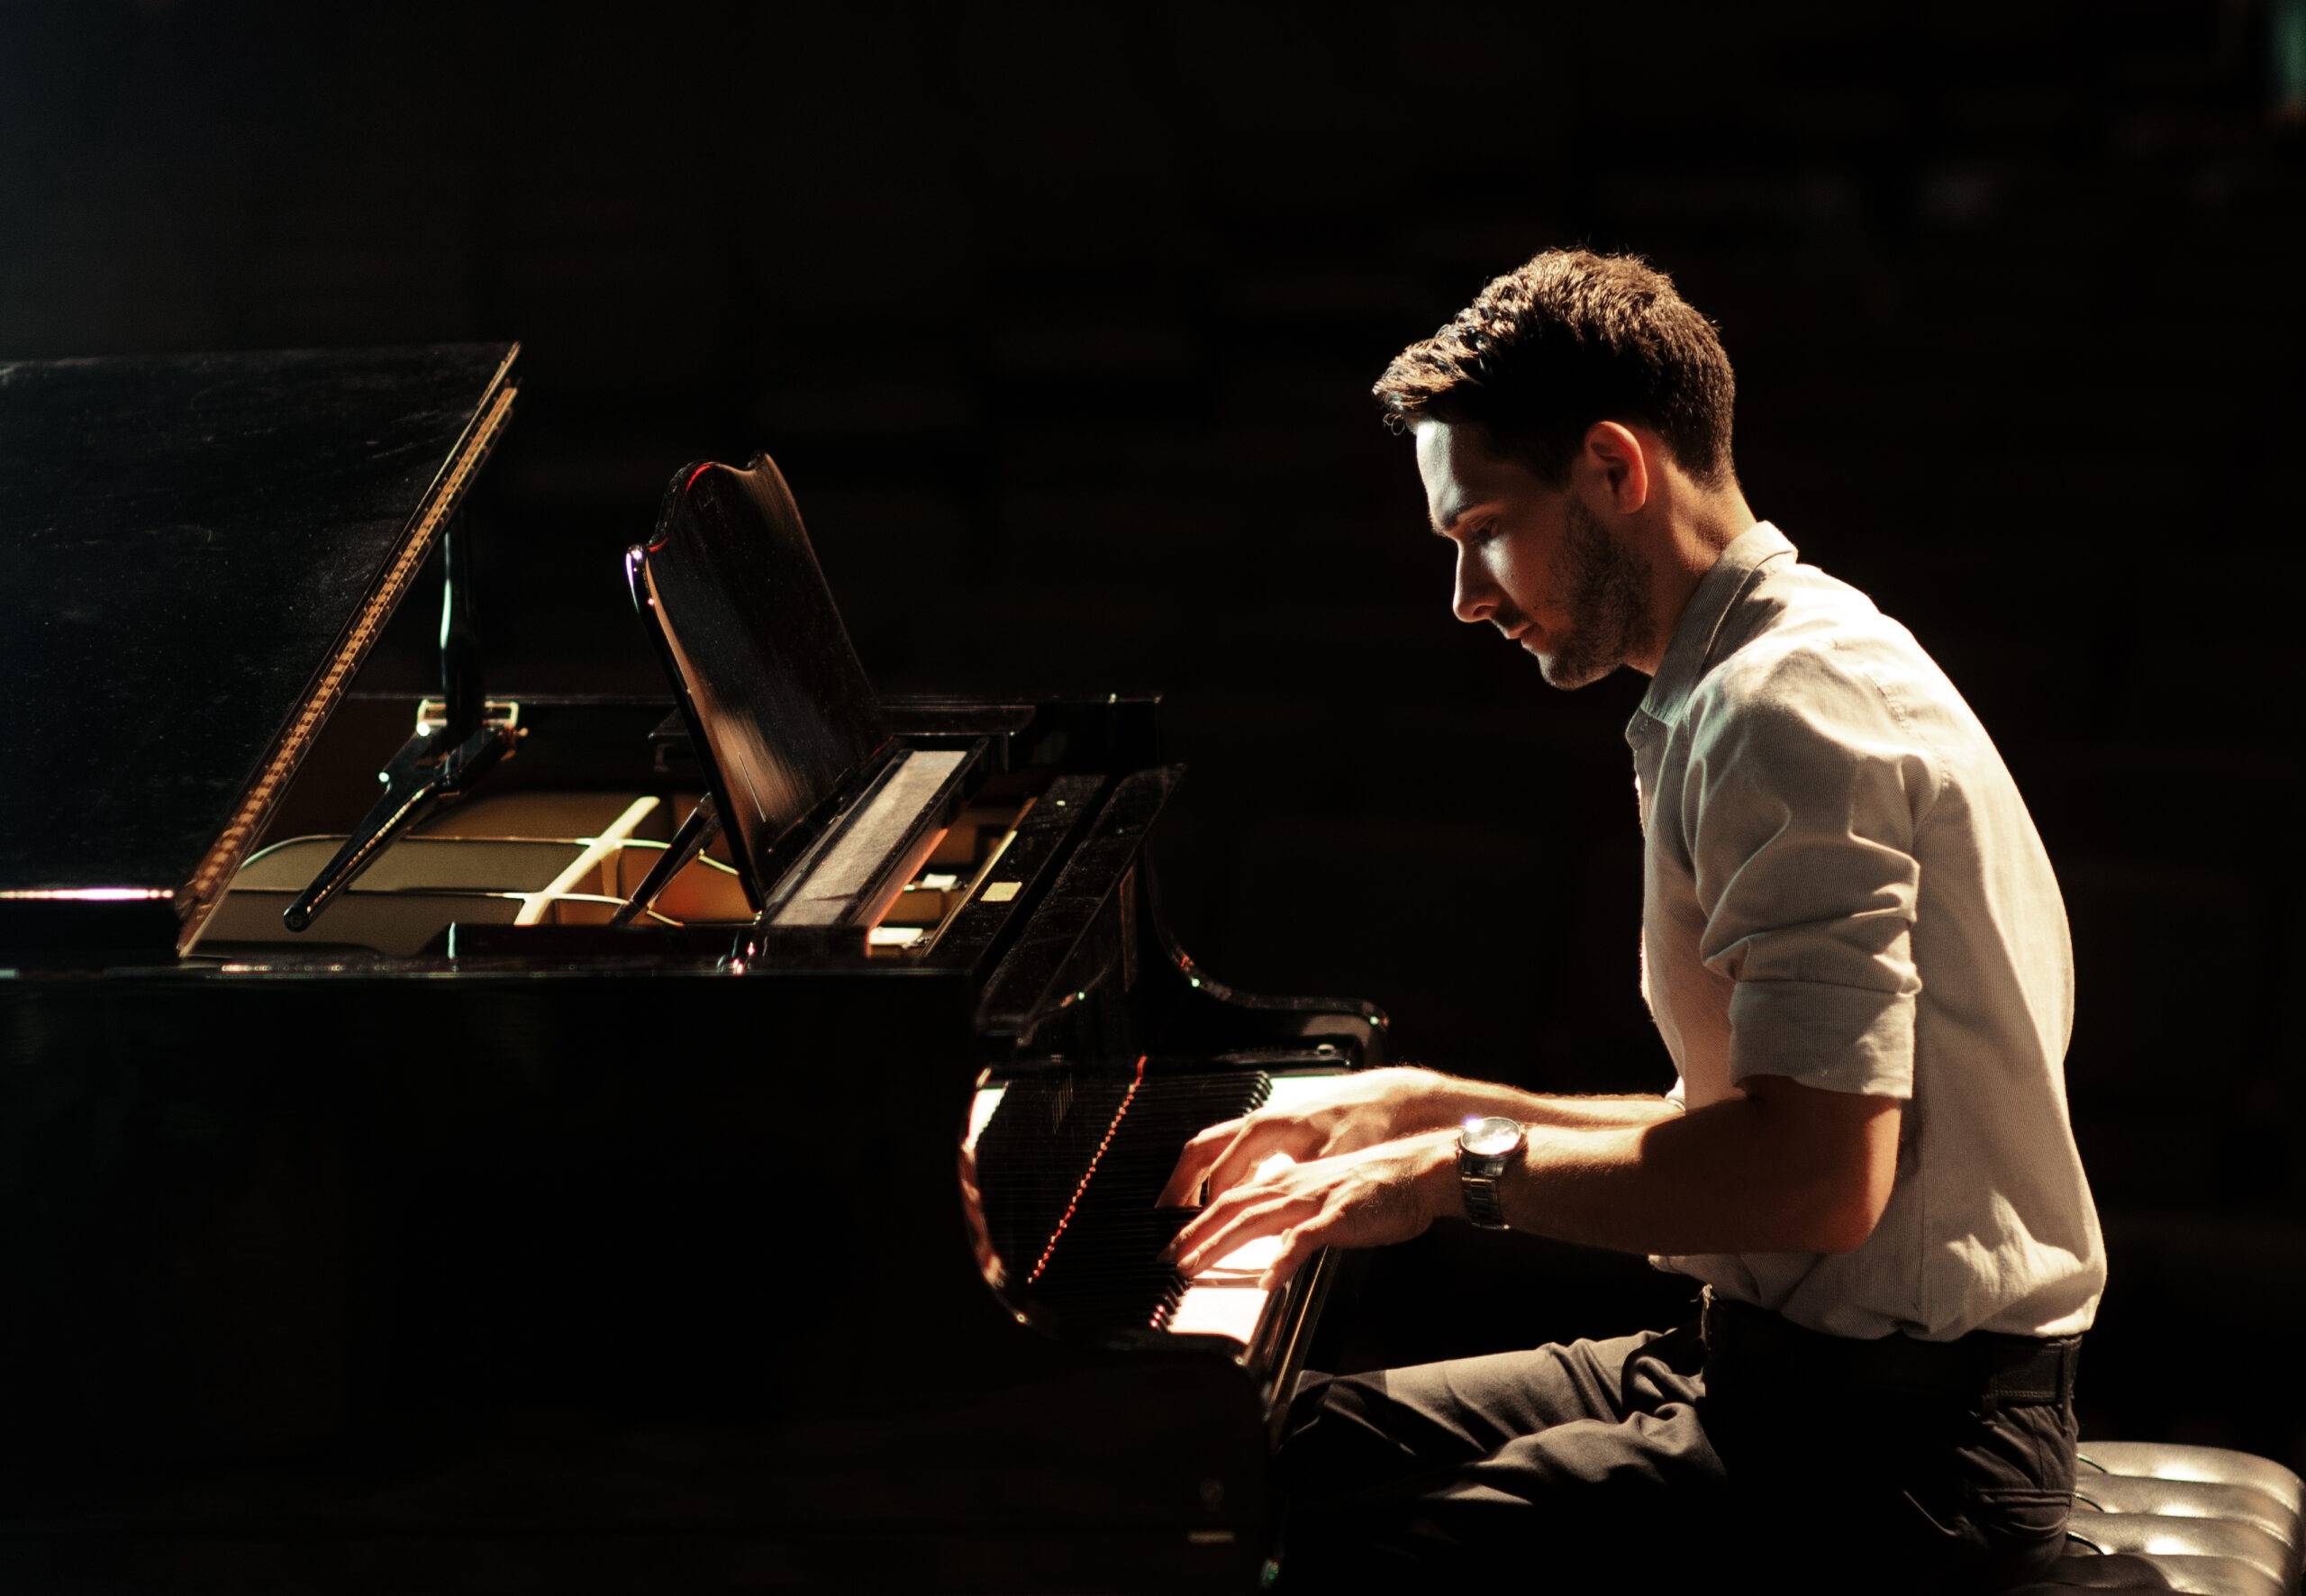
[1481,1206]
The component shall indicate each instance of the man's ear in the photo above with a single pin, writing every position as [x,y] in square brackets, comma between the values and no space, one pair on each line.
[1619,462]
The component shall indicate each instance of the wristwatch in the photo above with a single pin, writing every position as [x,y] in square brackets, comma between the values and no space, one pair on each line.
[1486,1149]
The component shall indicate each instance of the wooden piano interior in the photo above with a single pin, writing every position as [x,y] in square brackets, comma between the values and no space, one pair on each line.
[569,858]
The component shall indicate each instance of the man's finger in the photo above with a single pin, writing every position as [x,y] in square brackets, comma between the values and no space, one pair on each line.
[1211,1219]
[1238,1163]
[1251,1221]
[1264,1137]
[1300,1243]
[1203,1150]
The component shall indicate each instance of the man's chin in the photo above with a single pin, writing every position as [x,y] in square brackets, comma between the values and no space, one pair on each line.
[1569,670]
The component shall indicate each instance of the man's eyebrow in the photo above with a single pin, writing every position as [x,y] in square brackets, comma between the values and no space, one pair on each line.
[1443,527]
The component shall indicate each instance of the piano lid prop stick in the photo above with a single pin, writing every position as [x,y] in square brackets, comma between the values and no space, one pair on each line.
[420,775]
[415,783]
[694,835]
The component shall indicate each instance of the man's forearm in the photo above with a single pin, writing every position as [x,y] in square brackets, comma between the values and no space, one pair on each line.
[1714,1180]
[1591,1113]
[1456,1098]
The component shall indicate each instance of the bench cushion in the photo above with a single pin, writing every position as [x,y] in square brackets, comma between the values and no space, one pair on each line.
[2148,1517]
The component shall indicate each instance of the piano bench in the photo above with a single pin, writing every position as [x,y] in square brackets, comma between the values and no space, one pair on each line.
[2195,1519]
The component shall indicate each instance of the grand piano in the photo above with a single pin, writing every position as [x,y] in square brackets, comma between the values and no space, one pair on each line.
[699,1141]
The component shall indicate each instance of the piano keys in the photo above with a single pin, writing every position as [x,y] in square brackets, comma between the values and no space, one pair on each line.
[1099,1267]
[578,1191]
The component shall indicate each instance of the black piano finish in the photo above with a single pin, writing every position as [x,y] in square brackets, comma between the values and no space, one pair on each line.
[192,541]
[391,1256]
[581,1259]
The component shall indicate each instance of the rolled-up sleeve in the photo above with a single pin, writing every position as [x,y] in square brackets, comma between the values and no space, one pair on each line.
[1804,798]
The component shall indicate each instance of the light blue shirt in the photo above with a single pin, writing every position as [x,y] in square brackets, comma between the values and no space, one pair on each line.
[1842,885]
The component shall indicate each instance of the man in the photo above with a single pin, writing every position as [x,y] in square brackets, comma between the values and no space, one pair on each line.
[1857,953]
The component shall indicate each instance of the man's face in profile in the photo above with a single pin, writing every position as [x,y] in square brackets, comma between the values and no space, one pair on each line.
[1532,560]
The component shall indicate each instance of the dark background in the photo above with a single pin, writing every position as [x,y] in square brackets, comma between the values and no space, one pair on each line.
[1060,320]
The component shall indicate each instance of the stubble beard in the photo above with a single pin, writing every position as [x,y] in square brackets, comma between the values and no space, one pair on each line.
[1605,592]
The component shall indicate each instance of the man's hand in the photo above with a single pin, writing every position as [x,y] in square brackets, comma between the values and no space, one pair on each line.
[1366,1198]
[1362,1110]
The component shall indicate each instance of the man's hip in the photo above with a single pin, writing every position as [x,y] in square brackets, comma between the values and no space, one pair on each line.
[1914,1460]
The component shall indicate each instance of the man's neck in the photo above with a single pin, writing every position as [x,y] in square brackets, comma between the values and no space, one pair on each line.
[1688,538]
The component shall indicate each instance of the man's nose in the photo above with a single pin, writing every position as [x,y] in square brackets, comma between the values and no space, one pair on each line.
[1474,599]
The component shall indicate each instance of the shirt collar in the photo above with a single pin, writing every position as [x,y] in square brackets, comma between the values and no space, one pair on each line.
[1716,595]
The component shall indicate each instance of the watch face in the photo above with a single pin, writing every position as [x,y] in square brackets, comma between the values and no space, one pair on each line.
[1485,1139]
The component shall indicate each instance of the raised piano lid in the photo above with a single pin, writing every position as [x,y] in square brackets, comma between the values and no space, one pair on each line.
[202,549]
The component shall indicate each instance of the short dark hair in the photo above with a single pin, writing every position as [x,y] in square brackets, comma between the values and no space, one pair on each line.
[1568,338]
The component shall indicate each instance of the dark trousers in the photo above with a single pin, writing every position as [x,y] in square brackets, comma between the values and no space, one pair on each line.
[1739,1444]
